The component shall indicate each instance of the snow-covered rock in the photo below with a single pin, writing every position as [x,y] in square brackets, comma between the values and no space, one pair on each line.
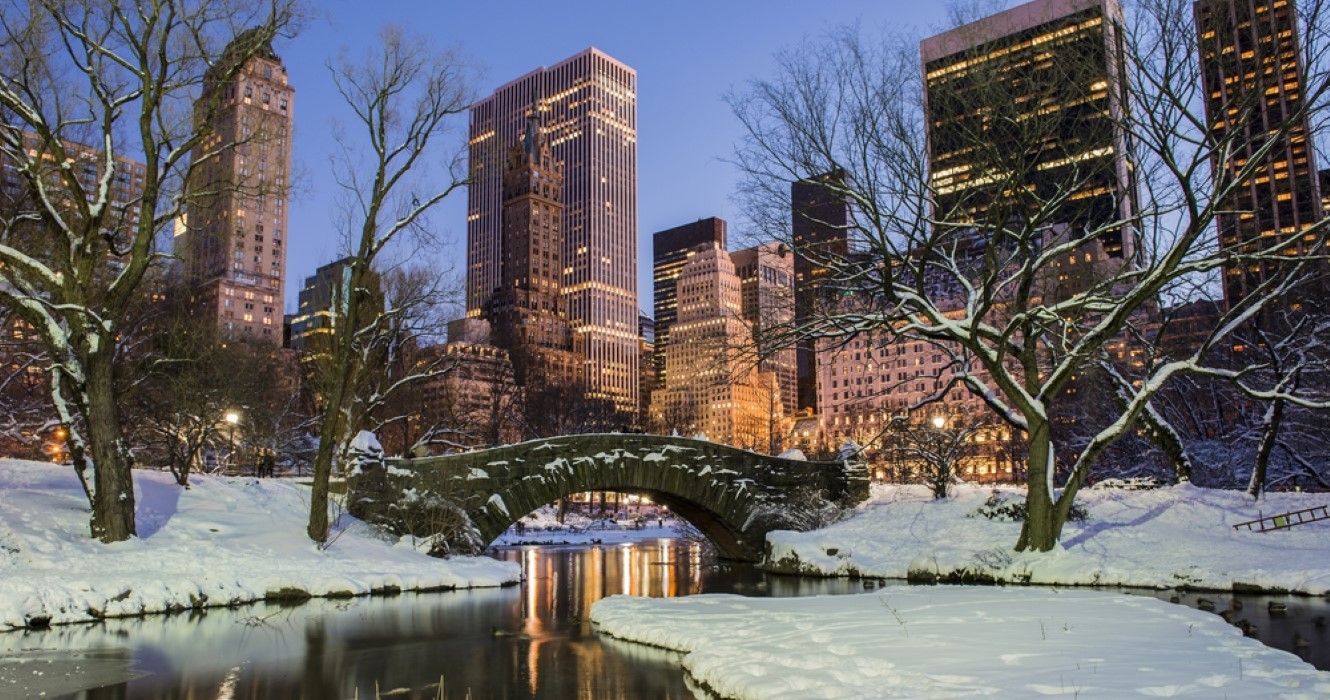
[795,453]
[954,641]
[1167,537]
[364,452]
[222,541]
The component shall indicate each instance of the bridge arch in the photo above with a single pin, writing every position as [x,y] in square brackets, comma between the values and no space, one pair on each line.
[732,496]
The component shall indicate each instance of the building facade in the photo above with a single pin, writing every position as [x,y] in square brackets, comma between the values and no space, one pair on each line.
[587,105]
[670,251]
[1252,73]
[233,240]
[27,393]
[646,368]
[820,233]
[474,402]
[712,385]
[1047,71]
[317,301]
[527,310]
[766,284]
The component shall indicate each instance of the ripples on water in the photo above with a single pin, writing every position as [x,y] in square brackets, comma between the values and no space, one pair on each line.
[531,641]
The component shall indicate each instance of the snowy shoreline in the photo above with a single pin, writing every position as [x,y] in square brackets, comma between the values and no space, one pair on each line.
[946,641]
[1178,537]
[224,542]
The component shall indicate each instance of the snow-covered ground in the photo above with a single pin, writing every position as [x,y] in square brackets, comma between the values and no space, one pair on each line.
[542,527]
[1169,537]
[223,541]
[949,641]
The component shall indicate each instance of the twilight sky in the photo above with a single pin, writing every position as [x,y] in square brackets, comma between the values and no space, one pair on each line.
[688,54]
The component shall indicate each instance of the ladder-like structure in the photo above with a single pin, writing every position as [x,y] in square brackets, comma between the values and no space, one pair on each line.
[1283,521]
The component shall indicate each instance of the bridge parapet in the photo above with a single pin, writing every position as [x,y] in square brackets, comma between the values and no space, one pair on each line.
[733,496]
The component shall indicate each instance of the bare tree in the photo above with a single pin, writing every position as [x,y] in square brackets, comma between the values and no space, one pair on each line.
[1013,275]
[935,449]
[119,76]
[403,98]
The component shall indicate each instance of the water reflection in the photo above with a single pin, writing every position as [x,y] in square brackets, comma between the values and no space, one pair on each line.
[522,642]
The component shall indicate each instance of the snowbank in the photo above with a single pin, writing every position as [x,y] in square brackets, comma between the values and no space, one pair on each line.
[223,541]
[949,641]
[1171,537]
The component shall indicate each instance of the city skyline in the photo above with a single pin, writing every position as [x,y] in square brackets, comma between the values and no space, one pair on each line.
[685,128]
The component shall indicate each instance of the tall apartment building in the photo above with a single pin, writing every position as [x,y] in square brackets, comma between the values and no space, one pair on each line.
[766,284]
[712,385]
[316,301]
[670,250]
[234,239]
[527,311]
[1047,70]
[588,109]
[820,232]
[1252,73]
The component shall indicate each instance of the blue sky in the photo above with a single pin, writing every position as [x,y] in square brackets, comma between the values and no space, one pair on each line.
[688,54]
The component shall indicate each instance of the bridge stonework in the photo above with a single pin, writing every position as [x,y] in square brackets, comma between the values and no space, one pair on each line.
[733,496]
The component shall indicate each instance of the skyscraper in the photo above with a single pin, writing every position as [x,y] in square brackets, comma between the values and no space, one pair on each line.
[712,385]
[766,286]
[820,231]
[233,240]
[1045,72]
[587,105]
[670,250]
[1252,73]
[527,310]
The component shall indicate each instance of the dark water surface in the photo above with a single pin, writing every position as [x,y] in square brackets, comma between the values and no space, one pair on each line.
[530,641]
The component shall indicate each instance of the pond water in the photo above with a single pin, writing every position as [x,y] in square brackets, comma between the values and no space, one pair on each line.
[528,641]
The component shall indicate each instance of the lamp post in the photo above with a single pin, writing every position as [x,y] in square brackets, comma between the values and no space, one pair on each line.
[231,418]
[939,422]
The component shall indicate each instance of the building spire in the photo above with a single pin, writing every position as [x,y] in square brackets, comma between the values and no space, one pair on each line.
[531,139]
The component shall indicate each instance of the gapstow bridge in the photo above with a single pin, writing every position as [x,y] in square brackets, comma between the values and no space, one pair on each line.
[732,496]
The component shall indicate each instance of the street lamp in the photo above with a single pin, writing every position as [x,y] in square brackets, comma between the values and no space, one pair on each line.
[231,418]
[939,422]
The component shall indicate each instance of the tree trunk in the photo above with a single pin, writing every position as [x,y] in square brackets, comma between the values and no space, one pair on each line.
[1041,529]
[113,496]
[1274,416]
[318,499]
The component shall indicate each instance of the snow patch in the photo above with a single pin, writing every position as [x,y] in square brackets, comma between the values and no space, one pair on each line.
[1160,538]
[921,642]
[225,540]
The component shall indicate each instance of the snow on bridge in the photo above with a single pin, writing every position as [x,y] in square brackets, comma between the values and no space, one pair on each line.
[733,496]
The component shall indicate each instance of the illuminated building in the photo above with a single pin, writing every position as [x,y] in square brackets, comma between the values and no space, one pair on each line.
[712,385]
[646,335]
[766,283]
[234,237]
[316,302]
[819,220]
[527,310]
[1252,74]
[588,110]
[670,250]
[1045,72]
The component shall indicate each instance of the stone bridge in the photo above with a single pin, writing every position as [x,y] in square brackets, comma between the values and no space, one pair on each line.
[733,496]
